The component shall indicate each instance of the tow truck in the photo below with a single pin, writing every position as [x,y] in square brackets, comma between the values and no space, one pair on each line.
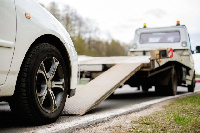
[167,68]
[159,57]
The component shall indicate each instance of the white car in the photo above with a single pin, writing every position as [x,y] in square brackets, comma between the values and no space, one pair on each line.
[38,69]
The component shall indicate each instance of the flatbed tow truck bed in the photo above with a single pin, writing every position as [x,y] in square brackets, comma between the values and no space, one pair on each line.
[97,90]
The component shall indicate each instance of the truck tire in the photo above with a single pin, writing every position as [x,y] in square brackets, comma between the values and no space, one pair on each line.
[173,83]
[161,90]
[158,89]
[42,84]
[192,86]
[145,88]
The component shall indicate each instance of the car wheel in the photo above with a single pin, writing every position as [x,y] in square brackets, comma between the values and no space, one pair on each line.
[42,85]
[192,86]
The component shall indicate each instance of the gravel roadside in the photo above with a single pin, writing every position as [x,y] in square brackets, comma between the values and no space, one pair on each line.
[122,122]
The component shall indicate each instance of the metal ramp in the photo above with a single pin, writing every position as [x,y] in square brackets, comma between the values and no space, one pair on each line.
[97,90]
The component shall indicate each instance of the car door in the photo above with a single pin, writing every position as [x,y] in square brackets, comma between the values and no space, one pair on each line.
[7,36]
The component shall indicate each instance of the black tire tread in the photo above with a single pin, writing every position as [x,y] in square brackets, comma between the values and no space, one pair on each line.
[191,87]
[19,101]
[173,80]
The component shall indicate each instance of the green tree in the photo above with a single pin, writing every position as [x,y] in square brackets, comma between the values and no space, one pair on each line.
[54,10]
[84,33]
[80,45]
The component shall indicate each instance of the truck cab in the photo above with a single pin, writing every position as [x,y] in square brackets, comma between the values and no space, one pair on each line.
[175,37]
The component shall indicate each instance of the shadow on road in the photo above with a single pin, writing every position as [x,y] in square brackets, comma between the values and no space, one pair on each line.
[119,100]
[9,120]
[141,95]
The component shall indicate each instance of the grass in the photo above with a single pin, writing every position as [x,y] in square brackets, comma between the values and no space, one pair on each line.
[197,76]
[182,115]
[82,83]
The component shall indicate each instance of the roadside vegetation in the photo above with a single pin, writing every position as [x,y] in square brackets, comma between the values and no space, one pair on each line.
[197,76]
[85,33]
[182,115]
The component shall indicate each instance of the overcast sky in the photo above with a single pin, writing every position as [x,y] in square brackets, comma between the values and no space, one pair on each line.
[120,18]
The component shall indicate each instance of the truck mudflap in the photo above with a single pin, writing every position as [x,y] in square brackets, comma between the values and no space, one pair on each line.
[96,91]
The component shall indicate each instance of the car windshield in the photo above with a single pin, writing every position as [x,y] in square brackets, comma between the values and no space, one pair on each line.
[160,37]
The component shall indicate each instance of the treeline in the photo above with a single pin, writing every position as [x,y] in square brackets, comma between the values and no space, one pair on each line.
[85,34]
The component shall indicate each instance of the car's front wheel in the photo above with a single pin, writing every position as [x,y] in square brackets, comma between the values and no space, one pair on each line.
[42,85]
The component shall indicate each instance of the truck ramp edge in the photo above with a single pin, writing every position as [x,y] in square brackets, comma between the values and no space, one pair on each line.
[97,90]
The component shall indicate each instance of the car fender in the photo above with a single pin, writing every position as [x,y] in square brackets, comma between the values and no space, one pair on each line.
[40,23]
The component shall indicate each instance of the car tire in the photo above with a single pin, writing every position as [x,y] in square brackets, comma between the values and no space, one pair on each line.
[192,86]
[42,85]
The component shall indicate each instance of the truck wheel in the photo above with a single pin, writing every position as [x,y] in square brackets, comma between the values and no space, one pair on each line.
[42,84]
[192,86]
[145,88]
[160,89]
[173,83]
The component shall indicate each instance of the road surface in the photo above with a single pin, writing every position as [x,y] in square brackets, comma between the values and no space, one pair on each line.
[122,99]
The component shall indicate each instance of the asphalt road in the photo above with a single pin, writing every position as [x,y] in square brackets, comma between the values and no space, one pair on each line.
[122,98]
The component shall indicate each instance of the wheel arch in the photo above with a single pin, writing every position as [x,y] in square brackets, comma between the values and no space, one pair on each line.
[55,41]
